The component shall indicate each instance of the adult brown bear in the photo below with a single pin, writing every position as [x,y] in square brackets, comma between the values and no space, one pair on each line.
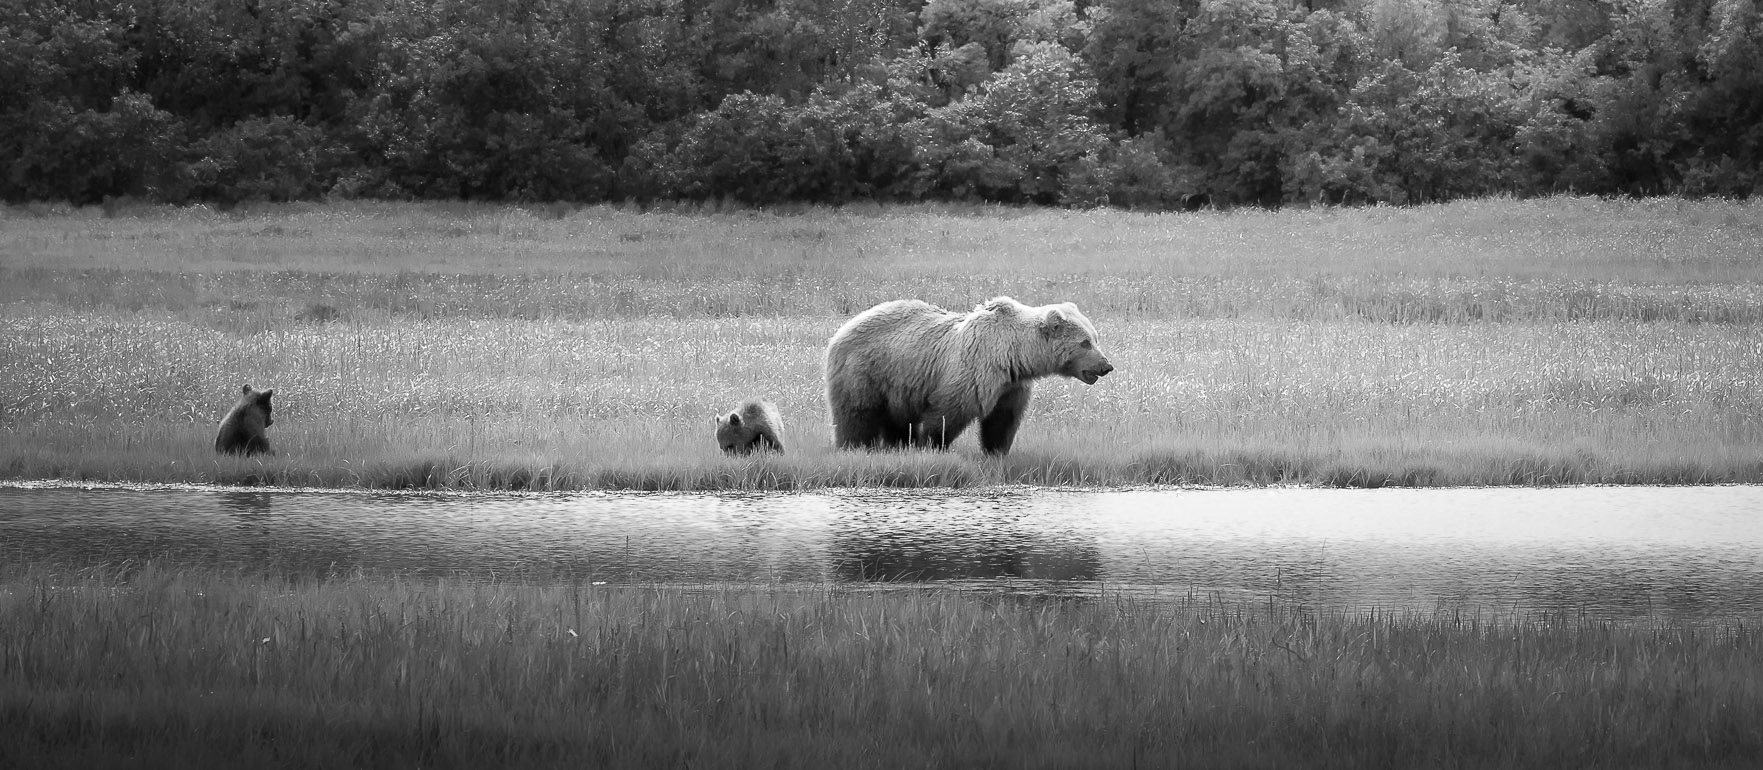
[907,372]
[241,431]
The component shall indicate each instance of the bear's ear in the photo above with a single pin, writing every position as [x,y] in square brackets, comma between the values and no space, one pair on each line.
[1052,321]
[263,395]
[246,390]
[1001,304]
[734,419]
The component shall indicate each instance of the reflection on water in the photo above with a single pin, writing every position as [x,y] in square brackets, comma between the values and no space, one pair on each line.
[246,503]
[1606,551]
[893,538]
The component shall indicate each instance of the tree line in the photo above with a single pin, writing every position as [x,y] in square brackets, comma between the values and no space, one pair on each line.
[1138,103]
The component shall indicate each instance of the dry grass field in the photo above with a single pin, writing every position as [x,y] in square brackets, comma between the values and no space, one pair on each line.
[1565,340]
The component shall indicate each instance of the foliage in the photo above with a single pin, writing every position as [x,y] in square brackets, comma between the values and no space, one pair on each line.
[1416,137]
[757,149]
[272,159]
[1020,134]
[1264,102]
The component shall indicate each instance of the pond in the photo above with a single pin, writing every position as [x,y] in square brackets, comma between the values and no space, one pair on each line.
[1599,551]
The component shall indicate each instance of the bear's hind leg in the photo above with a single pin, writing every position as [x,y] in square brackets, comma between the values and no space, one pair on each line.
[860,428]
[997,431]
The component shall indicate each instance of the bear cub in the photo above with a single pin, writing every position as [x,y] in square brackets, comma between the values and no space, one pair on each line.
[241,431]
[756,425]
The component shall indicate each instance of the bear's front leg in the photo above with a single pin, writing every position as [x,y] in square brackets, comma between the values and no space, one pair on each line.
[997,431]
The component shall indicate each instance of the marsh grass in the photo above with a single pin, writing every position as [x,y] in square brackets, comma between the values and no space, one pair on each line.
[477,347]
[175,667]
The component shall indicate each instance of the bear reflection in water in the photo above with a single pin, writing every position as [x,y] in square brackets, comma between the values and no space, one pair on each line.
[246,503]
[960,541]
[890,560]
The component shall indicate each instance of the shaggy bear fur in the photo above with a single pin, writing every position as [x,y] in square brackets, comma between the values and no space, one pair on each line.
[241,431]
[756,425]
[907,372]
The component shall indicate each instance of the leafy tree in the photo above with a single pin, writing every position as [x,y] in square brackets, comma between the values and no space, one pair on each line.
[1642,118]
[217,62]
[1131,48]
[1034,116]
[757,149]
[70,126]
[1135,173]
[989,24]
[85,155]
[1725,119]
[1568,25]
[1257,77]
[495,101]
[1418,137]
[1557,148]
[274,159]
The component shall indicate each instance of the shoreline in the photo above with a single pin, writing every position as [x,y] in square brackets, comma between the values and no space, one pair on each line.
[155,486]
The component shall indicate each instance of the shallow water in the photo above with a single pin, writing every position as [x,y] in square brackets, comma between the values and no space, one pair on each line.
[1601,551]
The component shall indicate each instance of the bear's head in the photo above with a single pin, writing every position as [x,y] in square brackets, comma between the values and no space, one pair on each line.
[259,399]
[1073,338]
[734,435]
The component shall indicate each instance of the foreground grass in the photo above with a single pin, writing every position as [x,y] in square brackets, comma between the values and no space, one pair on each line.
[1483,342]
[159,666]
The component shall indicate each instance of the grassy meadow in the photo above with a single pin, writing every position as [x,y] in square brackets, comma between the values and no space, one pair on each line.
[1565,340]
[152,665]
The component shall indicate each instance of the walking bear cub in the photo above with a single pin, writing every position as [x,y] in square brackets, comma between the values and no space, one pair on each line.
[907,372]
[241,431]
[756,425]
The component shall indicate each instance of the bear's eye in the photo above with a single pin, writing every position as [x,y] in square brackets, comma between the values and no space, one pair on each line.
[1086,345]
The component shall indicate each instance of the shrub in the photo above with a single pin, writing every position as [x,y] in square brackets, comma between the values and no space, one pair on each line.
[62,152]
[258,159]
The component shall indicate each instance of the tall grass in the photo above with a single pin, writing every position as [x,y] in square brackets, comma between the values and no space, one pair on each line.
[1656,240]
[1557,259]
[1484,342]
[170,667]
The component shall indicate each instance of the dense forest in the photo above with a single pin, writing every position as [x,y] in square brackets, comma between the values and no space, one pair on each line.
[1138,103]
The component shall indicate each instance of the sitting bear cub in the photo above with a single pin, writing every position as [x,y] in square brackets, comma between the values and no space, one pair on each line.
[241,431]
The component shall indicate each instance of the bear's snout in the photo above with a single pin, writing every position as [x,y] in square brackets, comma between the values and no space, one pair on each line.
[1090,375]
